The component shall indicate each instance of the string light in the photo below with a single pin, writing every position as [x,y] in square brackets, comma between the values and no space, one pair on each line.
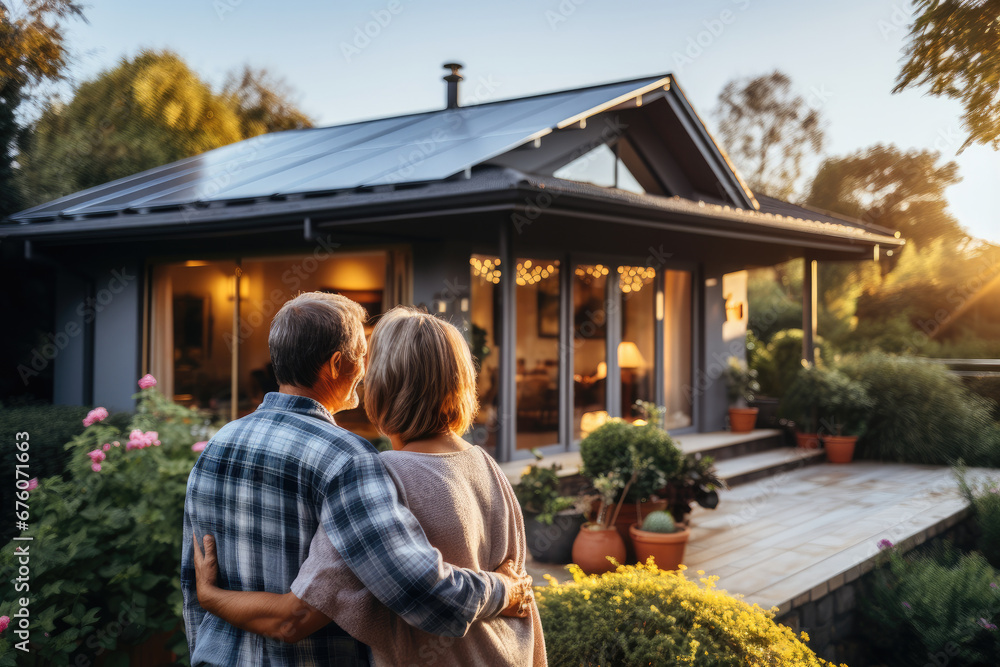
[633,278]
[486,269]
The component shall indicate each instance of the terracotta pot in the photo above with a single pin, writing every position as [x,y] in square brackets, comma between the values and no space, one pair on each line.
[839,448]
[742,420]
[630,515]
[667,549]
[593,545]
[807,440]
[552,543]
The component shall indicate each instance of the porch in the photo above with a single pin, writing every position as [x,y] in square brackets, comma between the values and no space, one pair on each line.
[800,539]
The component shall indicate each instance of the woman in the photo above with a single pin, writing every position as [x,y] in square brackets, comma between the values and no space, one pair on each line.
[420,391]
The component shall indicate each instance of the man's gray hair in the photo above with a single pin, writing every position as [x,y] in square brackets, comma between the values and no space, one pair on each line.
[308,330]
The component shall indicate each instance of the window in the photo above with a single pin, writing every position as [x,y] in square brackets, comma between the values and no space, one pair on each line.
[537,376]
[637,349]
[590,368]
[207,346]
[606,166]
[677,348]
[484,318]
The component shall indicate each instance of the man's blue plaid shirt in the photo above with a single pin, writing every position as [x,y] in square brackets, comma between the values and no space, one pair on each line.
[263,486]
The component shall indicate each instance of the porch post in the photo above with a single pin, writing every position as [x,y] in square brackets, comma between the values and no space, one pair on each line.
[507,395]
[809,309]
[613,326]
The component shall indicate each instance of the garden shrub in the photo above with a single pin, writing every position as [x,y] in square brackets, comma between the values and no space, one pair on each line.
[640,615]
[779,360]
[50,428]
[609,448]
[984,498]
[923,413]
[106,569]
[915,608]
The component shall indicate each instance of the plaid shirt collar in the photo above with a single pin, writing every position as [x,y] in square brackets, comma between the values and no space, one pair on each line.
[299,404]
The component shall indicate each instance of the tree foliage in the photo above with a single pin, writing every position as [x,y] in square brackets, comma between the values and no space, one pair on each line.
[262,102]
[32,52]
[954,49]
[901,190]
[147,111]
[768,130]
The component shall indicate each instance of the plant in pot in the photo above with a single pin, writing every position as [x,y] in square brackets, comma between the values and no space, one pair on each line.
[614,447]
[661,538]
[848,408]
[600,540]
[696,481]
[551,520]
[741,388]
[801,404]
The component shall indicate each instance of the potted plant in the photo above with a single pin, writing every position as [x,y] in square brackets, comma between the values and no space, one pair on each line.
[741,388]
[599,540]
[661,538]
[696,481]
[848,408]
[801,404]
[614,447]
[551,520]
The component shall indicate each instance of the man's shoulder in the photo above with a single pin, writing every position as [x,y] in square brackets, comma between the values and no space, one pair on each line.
[311,441]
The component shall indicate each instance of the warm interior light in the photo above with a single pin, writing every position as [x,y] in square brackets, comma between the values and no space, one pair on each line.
[591,420]
[196,262]
[629,357]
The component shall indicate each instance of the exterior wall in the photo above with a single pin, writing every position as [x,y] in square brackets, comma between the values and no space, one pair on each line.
[117,336]
[441,280]
[721,339]
[70,362]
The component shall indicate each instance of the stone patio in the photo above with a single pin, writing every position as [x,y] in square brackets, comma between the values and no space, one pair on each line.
[798,535]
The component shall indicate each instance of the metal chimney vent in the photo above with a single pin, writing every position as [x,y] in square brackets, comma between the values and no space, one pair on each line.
[453,80]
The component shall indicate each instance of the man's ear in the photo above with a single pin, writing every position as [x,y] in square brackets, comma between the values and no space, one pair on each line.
[335,364]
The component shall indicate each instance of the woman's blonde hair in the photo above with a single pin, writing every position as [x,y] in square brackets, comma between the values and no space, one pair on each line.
[420,380]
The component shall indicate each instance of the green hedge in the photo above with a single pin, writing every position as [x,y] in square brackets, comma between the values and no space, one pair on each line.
[943,606]
[607,448]
[923,413]
[50,427]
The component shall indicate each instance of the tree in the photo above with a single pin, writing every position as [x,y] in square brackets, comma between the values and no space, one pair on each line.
[767,130]
[145,112]
[903,191]
[954,48]
[262,102]
[31,52]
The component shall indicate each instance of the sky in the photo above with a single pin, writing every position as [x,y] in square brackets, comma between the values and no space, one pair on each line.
[376,58]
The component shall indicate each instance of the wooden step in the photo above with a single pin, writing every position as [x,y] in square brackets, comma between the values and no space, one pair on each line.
[752,467]
[722,445]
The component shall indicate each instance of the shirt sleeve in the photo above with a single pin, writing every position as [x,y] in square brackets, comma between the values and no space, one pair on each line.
[327,583]
[385,548]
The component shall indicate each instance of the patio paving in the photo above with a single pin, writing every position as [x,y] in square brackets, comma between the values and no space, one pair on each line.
[793,537]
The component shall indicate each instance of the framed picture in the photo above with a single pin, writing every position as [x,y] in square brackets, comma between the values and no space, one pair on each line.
[548,309]
[370,300]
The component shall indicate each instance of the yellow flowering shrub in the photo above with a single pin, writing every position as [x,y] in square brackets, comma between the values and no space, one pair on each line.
[641,615]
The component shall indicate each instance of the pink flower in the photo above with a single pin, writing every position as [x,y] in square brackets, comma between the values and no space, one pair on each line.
[116,443]
[32,485]
[147,381]
[94,416]
[885,544]
[96,467]
[139,440]
[96,456]
[106,446]
[986,624]
[4,622]
[907,605]
[199,446]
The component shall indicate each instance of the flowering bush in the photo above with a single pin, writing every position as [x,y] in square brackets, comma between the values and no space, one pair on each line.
[105,560]
[917,607]
[640,615]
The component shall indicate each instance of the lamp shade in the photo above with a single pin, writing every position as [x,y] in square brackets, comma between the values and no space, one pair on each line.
[629,356]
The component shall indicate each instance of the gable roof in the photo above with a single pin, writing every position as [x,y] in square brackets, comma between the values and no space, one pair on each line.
[415,148]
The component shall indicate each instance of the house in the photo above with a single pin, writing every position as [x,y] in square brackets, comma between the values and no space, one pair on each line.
[592,243]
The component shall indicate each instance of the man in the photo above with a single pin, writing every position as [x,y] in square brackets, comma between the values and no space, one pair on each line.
[265,483]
